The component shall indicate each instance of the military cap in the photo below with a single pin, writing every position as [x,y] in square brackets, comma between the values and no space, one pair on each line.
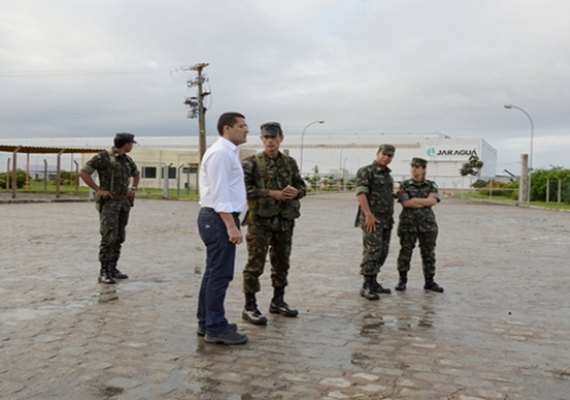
[419,161]
[387,149]
[270,129]
[126,137]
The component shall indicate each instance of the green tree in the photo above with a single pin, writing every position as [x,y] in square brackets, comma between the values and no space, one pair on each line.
[543,177]
[472,167]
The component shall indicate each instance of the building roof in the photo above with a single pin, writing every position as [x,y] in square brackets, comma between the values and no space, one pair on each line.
[11,148]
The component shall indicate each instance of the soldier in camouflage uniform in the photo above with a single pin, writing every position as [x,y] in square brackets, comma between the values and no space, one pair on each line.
[374,191]
[114,198]
[274,187]
[417,223]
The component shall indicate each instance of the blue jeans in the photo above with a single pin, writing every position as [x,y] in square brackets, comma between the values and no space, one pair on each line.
[220,260]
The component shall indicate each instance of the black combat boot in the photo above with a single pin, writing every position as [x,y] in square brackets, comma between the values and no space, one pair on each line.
[378,287]
[105,274]
[367,290]
[432,285]
[401,286]
[278,305]
[115,273]
[251,313]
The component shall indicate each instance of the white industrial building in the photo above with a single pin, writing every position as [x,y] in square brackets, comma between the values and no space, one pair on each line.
[344,154]
[336,155]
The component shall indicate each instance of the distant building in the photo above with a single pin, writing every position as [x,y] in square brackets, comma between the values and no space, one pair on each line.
[336,155]
[344,154]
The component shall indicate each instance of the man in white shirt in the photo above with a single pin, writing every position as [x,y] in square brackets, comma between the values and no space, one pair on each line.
[222,199]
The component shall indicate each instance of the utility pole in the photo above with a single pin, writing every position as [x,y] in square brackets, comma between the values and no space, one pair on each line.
[196,104]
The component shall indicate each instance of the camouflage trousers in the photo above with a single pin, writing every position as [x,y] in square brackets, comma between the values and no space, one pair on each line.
[261,240]
[113,218]
[375,246]
[408,239]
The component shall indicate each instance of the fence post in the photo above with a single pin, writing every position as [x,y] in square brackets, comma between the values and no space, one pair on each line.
[45,175]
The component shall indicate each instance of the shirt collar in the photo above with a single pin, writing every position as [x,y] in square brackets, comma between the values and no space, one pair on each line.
[227,144]
[376,165]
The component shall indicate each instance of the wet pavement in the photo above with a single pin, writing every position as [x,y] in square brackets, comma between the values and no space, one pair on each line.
[501,330]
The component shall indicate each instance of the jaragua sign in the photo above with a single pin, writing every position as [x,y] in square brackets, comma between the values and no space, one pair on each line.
[451,154]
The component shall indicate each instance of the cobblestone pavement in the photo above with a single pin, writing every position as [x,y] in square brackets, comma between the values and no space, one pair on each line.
[501,330]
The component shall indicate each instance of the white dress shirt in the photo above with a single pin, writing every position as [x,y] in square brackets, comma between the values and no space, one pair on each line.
[222,185]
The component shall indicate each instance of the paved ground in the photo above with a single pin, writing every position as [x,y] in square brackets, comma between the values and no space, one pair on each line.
[501,330]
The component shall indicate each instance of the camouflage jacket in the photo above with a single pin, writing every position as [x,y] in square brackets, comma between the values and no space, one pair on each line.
[114,171]
[421,218]
[378,185]
[263,174]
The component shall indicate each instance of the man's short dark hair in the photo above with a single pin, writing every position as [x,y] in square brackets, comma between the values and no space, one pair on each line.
[228,119]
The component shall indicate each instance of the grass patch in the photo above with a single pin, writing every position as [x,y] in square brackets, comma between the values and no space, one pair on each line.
[142,193]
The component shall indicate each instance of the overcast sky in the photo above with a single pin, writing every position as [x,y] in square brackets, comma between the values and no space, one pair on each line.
[92,68]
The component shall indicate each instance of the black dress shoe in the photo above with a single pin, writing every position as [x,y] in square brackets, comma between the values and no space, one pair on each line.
[202,331]
[228,337]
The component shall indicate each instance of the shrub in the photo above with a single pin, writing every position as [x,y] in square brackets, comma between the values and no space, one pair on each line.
[20,178]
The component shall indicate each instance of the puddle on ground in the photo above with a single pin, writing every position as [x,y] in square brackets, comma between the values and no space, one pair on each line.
[110,391]
[108,294]
[23,314]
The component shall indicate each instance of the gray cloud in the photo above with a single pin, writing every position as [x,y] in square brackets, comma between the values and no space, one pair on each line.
[86,68]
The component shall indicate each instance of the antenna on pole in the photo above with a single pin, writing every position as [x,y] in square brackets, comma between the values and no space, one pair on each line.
[196,104]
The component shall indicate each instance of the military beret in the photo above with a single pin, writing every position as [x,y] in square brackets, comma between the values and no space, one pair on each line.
[419,161]
[387,149]
[270,129]
[127,137]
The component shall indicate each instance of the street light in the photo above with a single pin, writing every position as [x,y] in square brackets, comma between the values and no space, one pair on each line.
[302,137]
[508,107]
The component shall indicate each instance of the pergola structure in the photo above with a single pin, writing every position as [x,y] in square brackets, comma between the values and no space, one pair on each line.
[15,149]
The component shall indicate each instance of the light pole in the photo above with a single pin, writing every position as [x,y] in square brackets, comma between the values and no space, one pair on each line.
[302,137]
[344,174]
[508,107]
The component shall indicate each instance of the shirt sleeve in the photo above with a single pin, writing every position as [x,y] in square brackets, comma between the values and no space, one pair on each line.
[361,182]
[136,172]
[95,164]
[252,190]
[435,191]
[297,180]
